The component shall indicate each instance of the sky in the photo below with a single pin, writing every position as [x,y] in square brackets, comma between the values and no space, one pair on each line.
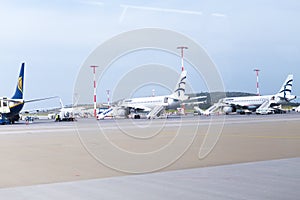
[55,38]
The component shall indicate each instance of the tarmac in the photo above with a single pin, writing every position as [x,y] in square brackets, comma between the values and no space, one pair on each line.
[52,153]
[276,179]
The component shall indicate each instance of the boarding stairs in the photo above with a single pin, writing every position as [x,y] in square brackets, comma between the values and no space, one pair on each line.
[214,108]
[265,105]
[110,112]
[199,110]
[266,108]
[155,112]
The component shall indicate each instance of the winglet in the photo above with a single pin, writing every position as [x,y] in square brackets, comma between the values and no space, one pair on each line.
[20,84]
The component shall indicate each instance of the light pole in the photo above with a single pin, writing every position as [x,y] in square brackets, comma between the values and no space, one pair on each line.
[95,90]
[257,85]
[108,100]
[182,48]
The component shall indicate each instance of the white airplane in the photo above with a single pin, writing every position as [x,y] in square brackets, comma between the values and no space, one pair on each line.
[262,104]
[153,105]
[65,114]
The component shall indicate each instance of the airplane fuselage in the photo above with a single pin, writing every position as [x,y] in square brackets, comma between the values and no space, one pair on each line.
[152,102]
[247,100]
[255,101]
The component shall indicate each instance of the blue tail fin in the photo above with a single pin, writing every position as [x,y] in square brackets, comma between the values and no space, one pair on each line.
[19,90]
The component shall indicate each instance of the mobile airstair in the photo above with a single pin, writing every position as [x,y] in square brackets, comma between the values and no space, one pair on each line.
[266,108]
[155,112]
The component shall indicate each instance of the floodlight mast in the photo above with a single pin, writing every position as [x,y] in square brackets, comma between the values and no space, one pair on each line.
[182,48]
[257,82]
[95,90]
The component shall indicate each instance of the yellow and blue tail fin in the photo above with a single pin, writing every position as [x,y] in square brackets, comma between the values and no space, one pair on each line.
[20,84]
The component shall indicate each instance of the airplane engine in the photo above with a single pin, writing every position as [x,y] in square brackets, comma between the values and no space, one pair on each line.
[227,109]
[172,103]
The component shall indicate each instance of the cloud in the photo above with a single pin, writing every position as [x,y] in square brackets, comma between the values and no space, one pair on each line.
[156,9]
[93,3]
[218,15]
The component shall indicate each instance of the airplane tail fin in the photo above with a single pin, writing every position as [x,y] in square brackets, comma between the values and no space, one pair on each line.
[179,91]
[61,103]
[286,89]
[20,84]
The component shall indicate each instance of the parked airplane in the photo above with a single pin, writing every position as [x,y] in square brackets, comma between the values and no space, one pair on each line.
[65,114]
[153,105]
[260,104]
[10,108]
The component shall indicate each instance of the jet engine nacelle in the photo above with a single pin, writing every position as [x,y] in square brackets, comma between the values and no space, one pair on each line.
[171,103]
[227,109]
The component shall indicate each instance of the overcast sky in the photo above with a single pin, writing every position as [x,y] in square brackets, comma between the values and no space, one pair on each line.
[55,37]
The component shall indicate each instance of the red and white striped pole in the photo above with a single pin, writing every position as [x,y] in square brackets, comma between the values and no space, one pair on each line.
[95,91]
[257,85]
[108,100]
[182,48]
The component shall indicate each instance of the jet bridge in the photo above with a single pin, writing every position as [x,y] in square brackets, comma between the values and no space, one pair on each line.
[214,108]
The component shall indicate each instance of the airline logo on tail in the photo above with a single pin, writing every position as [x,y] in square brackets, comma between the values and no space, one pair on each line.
[20,84]
[286,89]
[179,91]
[181,86]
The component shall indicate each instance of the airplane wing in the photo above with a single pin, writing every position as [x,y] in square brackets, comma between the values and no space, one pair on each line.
[196,98]
[140,107]
[194,103]
[41,99]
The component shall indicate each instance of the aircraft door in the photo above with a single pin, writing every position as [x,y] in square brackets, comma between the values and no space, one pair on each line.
[166,100]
